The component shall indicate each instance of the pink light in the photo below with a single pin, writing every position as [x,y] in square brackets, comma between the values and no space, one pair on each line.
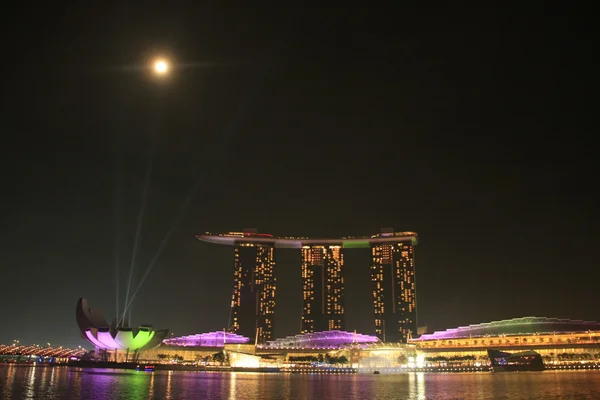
[107,340]
[209,339]
[92,338]
[327,339]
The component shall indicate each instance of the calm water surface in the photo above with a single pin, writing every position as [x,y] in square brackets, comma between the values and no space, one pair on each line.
[17,382]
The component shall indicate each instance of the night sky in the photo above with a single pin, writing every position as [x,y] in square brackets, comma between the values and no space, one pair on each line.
[472,127]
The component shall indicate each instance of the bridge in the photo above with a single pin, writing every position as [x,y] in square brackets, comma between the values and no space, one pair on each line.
[19,352]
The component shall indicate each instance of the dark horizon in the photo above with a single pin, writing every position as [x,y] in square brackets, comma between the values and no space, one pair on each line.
[471,126]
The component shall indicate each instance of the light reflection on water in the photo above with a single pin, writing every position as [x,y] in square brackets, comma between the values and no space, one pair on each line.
[168,391]
[19,382]
[31,383]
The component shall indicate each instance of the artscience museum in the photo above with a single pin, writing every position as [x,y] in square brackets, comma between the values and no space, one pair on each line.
[115,343]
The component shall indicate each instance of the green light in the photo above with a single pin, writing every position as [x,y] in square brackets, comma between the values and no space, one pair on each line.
[356,244]
[141,339]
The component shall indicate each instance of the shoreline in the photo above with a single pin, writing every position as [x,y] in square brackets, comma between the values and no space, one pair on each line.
[295,370]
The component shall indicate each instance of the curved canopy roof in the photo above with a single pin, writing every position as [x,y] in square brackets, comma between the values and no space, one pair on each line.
[209,339]
[327,339]
[515,326]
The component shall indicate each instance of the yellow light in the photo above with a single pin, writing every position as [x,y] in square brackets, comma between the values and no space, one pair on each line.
[161,67]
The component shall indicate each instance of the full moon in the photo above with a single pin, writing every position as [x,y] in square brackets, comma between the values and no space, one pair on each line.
[160,67]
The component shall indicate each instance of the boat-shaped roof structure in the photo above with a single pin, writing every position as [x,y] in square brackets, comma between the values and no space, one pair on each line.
[292,242]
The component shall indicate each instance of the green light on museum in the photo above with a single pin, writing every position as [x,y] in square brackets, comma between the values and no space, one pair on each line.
[142,338]
[356,244]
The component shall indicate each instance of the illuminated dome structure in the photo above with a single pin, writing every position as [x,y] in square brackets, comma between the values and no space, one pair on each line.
[96,330]
[515,326]
[210,339]
[323,340]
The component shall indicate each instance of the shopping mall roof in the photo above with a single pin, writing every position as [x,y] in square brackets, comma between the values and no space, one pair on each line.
[209,339]
[324,340]
[515,326]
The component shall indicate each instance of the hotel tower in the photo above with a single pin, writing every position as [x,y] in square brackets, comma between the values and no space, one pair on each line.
[322,288]
[322,268]
[253,297]
[393,286]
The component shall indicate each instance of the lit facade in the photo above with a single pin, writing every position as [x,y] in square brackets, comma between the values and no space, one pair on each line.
[562,344]
[332,339]
[558,341]
[322,288]
[392,275]
[253,298]
[209,339]
[393,288]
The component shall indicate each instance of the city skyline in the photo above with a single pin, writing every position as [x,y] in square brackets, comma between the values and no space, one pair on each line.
[472,127]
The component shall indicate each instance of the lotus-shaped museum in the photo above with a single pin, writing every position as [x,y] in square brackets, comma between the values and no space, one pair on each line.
[96,330]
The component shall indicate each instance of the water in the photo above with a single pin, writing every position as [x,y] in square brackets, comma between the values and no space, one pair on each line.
[19,382]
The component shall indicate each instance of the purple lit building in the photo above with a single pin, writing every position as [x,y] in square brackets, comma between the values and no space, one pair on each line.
[210,339]
[324,340]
